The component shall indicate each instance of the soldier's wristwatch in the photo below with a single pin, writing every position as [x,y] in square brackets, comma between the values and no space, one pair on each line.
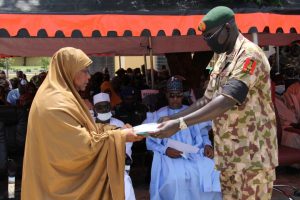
[182,124]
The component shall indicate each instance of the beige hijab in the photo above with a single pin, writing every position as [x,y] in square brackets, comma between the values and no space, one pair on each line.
[67,156]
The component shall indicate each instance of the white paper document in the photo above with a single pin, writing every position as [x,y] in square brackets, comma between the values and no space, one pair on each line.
[184,148]
[145,129]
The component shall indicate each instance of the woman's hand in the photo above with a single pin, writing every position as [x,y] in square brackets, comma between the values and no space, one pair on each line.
[131,136]
[126,126]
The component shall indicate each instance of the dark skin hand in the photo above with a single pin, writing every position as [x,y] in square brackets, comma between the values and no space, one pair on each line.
[210,111]
[173,153]
[209,151]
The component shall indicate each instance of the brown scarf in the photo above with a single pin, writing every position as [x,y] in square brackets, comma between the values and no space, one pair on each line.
[68,156]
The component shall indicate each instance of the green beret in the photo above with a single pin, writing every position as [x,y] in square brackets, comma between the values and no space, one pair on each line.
[216,17]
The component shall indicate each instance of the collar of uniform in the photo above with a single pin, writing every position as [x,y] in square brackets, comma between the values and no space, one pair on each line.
[237,46]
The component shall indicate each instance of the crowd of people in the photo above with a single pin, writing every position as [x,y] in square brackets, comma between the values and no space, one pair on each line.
[116,101]
[16,96]
[286,95]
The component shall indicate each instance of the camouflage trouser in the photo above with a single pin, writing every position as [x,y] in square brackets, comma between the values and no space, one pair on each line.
[247,185]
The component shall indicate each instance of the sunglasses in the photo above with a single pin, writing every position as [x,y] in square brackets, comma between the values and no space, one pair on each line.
[177,95]
[209,36]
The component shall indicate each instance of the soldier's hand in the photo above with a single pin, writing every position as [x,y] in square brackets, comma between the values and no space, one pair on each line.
[131,136]
[166,129]
[173,153]
[209,151]
[163,119]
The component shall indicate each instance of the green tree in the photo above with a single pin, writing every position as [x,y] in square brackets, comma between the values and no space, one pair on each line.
[258,2]
[6,62]
[266,2]
[45,63]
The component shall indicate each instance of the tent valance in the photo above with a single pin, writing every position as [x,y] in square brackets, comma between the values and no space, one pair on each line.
[44,25]
[130,46]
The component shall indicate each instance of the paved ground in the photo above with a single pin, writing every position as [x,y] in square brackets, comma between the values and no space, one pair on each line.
[288,176]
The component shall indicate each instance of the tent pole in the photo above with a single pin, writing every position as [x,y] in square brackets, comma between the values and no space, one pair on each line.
[151,63]
[120,62]
[255,38]
[6,66]
[146,70]
[277,59]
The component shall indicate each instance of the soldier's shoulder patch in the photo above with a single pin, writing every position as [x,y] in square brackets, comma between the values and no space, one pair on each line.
[249,66]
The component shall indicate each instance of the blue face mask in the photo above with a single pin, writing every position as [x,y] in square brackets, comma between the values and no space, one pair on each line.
[279,89]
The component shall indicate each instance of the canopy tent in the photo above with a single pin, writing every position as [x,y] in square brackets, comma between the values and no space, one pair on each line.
[39,28]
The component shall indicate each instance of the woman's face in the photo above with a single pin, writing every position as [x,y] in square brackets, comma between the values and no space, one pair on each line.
[81,79]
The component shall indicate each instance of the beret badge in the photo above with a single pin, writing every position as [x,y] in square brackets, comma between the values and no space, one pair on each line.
[202,26]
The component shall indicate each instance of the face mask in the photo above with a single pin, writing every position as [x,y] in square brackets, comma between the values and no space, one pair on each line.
[279,89]
[104,116]
[214,44]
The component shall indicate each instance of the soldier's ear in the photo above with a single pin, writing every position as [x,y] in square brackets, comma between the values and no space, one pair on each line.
[227,27]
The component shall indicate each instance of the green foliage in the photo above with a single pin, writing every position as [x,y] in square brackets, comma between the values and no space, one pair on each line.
[45,63]
[6,62]
[266,2]
[259,2]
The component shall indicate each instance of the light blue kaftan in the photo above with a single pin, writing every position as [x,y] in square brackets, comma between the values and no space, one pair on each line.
[193,177]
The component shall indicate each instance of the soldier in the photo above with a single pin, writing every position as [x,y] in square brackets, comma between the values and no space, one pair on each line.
[238,100]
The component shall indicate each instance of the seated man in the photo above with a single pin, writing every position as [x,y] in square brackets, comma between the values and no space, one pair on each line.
[174,175]
[103,115]
[288,106]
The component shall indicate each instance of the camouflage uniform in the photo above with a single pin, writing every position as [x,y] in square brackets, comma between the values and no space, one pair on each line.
[245,136]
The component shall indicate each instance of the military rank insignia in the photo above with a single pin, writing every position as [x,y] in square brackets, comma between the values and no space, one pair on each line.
[249,66]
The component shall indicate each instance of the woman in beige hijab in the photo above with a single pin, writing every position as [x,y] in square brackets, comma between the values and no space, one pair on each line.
[67,156]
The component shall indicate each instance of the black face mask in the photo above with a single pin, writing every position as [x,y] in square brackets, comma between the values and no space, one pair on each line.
[215,45]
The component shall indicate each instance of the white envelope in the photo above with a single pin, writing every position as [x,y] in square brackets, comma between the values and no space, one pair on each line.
[145,129]
[183,147]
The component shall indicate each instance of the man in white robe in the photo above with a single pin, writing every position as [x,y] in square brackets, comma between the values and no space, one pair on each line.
[103,115]
[180,176]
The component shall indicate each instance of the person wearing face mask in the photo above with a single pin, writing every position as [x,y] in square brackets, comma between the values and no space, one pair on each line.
[280,89]
[102,108]
[238,100]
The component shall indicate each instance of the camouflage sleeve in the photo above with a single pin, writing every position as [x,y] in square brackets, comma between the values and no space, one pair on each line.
[208,94]
[243,77]
[247,70]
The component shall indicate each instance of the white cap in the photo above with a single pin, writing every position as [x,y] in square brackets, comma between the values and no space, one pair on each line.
[101,97]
